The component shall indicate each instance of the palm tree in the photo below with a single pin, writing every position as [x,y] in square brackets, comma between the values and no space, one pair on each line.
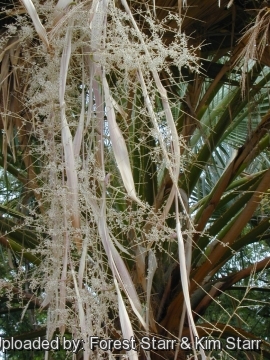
[135,171]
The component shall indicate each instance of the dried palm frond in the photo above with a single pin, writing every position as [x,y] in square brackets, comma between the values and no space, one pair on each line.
[255,43]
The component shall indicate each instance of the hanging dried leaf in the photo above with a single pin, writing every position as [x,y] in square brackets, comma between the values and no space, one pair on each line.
[36,21]
[71,172]
[119,146]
